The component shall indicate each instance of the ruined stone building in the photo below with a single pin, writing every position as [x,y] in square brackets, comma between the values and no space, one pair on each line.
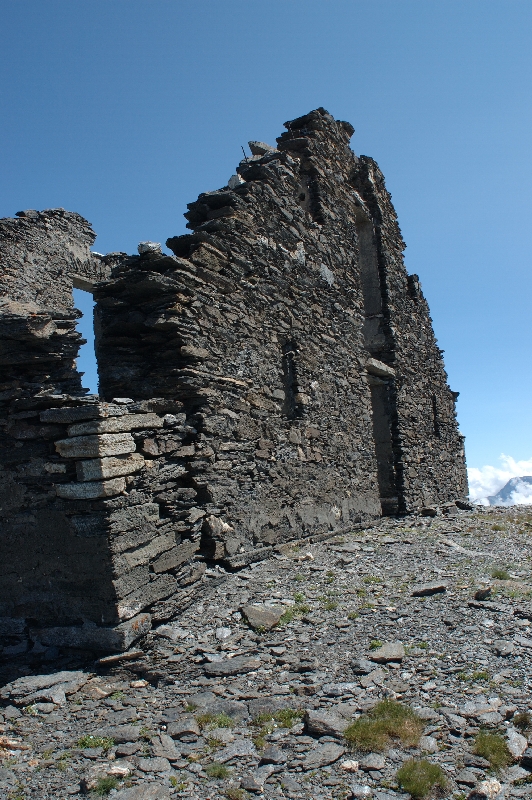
[275,379]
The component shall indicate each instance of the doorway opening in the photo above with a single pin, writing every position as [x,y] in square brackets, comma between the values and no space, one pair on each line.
[381,404]
[378,347]
[86,361]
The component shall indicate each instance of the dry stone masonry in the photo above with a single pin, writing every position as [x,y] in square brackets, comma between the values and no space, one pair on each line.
[276,379]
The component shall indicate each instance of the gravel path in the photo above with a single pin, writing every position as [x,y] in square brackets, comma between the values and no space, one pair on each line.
[210,707]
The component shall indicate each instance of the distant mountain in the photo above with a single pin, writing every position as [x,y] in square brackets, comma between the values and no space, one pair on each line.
[516,491]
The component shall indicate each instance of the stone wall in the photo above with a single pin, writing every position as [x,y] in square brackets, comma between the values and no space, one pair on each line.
[274,380]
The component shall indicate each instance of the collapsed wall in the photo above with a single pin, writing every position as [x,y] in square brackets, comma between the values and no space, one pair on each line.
[275,379]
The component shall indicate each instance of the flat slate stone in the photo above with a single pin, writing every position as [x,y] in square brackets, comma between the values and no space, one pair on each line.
[157,764]
[322,723]
[391,651]
[323,755]
[239,748]
[428,589]
[232,666]
[144,791]
[262,616]
[54,687]
[120,733]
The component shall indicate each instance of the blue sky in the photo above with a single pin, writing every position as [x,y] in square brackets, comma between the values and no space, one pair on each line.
[125,111]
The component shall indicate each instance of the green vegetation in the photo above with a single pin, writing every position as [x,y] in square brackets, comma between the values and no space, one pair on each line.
[523,721]
[117,695]
[372,579]
[353,615]
[216,770]
[473,677]
[90,741]
[266,723]
[180,786]
[211,721]
[387,721]
[492,746]
[497,527]
[500,574]
[236,794]
[190,708]
[62,762]
[419,777]
[105,785]
[375,644]
[297,610]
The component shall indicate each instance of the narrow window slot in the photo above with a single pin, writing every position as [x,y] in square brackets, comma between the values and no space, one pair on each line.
[86,360]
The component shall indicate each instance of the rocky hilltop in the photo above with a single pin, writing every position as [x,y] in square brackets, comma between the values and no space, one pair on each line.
[390,661]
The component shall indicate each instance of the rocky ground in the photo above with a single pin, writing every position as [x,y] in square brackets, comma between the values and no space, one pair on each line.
[250,692]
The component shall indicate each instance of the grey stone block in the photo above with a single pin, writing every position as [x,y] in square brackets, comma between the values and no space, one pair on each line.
[90,490]
[126,422]
[106,444]
[111,467]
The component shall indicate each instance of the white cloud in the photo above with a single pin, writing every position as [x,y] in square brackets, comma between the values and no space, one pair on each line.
[489,480]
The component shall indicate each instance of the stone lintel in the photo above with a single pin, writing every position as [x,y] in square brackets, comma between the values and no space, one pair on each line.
[379,368]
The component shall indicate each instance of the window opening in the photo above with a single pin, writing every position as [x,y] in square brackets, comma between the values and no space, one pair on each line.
[292,408]
[86,361]
[435,421]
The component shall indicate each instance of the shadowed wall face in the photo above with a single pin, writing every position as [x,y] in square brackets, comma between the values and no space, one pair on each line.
[276,379]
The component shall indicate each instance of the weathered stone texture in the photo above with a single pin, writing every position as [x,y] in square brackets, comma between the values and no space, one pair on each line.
[276,378]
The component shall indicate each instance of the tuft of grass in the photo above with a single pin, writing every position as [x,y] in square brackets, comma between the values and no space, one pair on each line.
[216,770]
[473,677]
[375,644]
[190,707]
[215,721]
[105,786]
[500,574]
[372,579]
[420,777]
[387,721]
[117,695]
[353,615]
[179,786]
[266,724]
[293,612]
[493,747]
[497,527]
[287,717]
[236,794]
[89,741]
[522,721]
